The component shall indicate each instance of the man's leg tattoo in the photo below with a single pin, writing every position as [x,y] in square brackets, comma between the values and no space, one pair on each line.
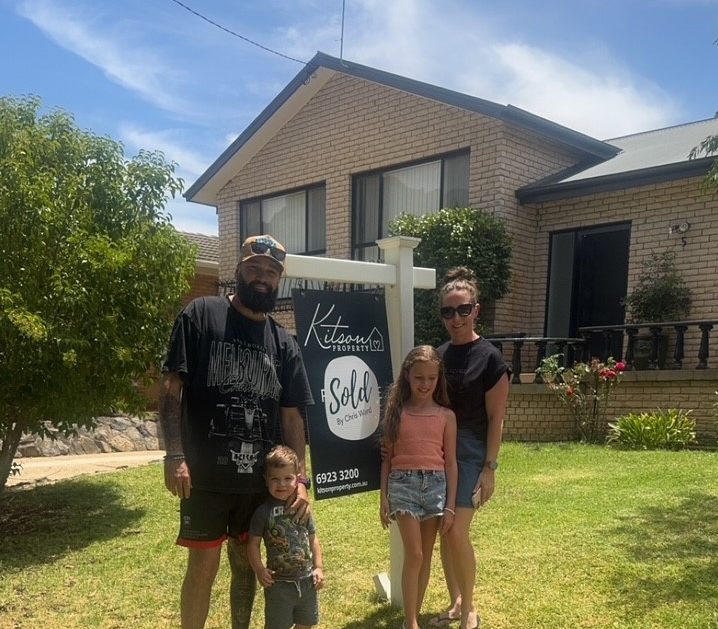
[243,585]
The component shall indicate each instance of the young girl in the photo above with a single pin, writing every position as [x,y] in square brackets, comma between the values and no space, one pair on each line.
[418,473]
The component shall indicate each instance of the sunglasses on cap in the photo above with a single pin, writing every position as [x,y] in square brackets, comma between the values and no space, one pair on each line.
[464,310]
[262,248]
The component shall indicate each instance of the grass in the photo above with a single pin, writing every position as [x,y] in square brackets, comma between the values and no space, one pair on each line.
[577,537]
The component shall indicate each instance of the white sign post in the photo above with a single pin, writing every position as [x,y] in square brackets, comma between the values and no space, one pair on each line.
[400,278]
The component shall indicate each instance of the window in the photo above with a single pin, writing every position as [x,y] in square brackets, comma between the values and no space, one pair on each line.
[380,197]
[296,219]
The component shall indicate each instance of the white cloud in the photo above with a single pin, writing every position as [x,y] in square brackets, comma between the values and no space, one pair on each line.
[193,217]
[605,104]
[190,164]
[452,46]
[113,49]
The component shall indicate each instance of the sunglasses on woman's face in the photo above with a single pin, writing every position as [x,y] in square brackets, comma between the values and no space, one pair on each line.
[464,310]
[262,248]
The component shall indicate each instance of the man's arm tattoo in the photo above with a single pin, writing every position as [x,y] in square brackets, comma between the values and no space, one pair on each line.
[171,412]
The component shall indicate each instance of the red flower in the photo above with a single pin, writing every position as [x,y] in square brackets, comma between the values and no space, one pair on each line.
[569,391]
[608,374]
[620,366]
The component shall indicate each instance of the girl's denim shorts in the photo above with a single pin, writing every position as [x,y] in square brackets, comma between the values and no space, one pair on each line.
[418,493]
[470,459]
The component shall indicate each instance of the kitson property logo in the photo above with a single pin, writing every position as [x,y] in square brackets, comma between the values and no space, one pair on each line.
[335,336]
[350,391]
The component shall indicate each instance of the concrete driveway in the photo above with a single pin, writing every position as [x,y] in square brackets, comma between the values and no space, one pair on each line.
[48,469]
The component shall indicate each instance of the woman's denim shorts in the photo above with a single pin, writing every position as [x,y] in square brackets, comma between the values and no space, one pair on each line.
[418,493]
[470,459]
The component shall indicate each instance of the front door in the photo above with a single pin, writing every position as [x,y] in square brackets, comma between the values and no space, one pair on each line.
[588,279]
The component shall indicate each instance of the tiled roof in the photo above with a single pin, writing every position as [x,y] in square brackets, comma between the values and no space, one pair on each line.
[208,246]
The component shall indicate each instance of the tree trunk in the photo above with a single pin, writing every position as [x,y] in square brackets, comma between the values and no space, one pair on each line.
[7,451]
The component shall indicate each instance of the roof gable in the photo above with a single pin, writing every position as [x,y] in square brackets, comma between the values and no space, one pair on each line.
[319,71]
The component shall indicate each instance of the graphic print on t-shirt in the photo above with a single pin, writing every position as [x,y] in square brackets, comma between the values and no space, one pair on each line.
[244,376]
[287,542]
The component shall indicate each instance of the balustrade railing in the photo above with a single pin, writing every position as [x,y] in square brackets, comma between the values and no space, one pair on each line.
[585,347]
[656,331]
[561,344]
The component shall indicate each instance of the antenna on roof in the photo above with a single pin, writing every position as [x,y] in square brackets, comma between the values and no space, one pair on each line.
[341,40]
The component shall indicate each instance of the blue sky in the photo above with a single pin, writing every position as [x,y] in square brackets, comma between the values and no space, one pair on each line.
[155,76]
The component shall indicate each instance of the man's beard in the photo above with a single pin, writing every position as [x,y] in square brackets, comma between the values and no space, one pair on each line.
[255,300]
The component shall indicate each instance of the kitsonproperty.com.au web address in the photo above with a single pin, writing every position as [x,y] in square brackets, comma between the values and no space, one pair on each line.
[345,487]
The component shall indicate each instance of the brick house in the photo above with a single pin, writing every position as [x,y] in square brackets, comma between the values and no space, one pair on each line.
[345,148]
[205,281]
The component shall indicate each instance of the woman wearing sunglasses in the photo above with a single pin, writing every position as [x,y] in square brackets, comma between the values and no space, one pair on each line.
[478,382]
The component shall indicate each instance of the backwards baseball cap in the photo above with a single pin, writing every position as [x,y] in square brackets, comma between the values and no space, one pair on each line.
[264,245]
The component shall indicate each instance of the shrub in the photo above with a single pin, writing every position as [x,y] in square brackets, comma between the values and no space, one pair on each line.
[670,429]
[585,389]
[661,293]
[452,237]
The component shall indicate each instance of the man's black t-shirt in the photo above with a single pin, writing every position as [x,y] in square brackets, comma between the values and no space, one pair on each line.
[471,370]
[237,373]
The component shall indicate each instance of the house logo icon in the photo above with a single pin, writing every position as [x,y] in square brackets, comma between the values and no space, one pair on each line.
[376,341]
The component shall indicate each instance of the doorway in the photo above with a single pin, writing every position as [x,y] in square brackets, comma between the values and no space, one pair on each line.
[588,280]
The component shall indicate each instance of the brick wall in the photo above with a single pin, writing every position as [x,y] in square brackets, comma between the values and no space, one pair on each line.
[203,284]
[535,413]
[525,158]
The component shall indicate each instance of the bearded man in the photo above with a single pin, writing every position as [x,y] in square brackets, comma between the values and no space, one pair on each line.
[233,386]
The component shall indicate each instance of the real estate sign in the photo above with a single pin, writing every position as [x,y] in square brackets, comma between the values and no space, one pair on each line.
[344,340]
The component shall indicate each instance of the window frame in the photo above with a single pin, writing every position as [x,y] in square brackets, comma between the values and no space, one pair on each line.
[442,157]
[261,198]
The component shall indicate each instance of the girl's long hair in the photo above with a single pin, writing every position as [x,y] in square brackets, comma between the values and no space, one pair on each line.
[400,391]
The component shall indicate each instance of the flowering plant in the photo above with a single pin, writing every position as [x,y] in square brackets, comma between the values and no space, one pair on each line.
[585,389]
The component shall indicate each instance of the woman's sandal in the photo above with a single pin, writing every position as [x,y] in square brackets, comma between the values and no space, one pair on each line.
[443,619]
[478,622]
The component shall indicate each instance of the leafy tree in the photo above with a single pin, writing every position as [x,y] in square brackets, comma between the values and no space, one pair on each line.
[706,148]
[91,272]
[456,237]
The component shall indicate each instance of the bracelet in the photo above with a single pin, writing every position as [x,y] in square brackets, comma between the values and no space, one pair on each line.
[174,457]
[451,511]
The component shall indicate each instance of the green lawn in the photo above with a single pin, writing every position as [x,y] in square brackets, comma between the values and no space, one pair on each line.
[577,536]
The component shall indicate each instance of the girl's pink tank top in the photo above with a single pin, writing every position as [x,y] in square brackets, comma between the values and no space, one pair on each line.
[420,443]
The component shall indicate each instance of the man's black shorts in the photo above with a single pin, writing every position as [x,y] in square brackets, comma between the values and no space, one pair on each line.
[207,518]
